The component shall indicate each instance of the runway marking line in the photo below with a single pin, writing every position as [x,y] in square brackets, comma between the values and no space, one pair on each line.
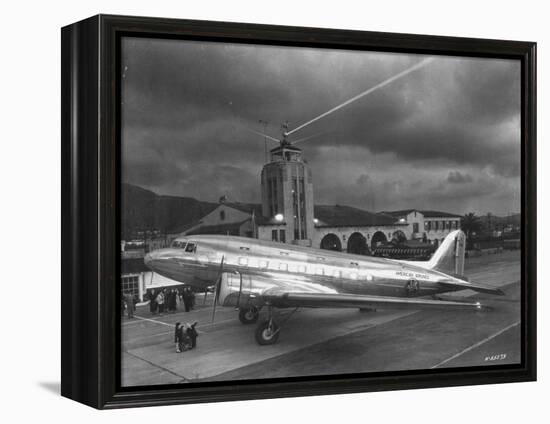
[485,340]
[153,320]
[195,313]
[130,322]
[150,336]
[200,330]
[172,325]
[183,378]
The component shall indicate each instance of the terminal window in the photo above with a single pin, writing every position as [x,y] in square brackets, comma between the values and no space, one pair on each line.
[130,284]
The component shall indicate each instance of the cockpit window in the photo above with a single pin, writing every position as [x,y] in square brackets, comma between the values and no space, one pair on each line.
[179,244]
[191,247]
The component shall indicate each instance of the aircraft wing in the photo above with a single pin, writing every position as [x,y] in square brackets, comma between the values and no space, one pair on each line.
[281,298]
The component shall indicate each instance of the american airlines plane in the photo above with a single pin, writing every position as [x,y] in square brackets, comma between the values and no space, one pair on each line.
[250,274]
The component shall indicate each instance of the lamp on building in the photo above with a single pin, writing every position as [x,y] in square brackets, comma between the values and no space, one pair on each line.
[315,221]
[279,217]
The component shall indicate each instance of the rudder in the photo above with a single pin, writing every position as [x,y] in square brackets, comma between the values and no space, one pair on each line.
[449,257]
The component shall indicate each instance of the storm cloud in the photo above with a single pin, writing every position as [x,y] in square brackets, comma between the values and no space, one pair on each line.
[446,136]
[456,177]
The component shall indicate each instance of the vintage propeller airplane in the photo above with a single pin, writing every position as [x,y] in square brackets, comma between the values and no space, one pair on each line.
[249,274]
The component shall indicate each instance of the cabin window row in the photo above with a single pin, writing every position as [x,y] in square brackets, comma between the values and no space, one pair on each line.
[303,269]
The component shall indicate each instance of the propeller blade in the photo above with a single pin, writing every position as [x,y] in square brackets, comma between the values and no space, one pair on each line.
[217,289]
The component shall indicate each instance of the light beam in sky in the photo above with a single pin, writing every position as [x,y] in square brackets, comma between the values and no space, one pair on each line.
[401,74]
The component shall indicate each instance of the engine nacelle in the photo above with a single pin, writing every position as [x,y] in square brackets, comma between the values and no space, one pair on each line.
[235,290]
[242,290]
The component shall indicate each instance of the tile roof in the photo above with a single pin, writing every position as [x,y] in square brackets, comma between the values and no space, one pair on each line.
[231,228]
[401,212]
[257,208]
[185,227]
[426,213]
[346,216]
[246,207]
[438,214]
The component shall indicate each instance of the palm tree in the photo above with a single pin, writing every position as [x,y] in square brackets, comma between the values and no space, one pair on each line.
[471,224]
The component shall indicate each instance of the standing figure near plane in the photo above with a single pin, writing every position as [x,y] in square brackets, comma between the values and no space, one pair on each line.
[152,302]
[174,300]
[130,305]
[178,337]
[187,299]
[170,301]
[160,302]
[192,333]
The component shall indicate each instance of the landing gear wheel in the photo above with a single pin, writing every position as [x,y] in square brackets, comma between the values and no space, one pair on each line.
[267,333]
[249,315]
[366,310]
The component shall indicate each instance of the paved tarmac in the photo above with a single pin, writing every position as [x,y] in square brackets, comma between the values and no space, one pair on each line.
[332,341]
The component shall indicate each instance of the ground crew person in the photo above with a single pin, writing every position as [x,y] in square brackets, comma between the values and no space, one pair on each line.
[130,305]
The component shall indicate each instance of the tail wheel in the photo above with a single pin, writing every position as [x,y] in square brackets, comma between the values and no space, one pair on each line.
[267,333]
[249,315]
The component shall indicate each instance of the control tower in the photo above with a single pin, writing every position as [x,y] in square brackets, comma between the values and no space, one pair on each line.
[287,193]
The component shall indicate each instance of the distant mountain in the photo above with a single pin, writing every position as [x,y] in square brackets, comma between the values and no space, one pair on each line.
[145,210]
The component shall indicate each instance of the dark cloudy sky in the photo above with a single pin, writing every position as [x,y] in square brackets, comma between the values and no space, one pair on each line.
[445,137]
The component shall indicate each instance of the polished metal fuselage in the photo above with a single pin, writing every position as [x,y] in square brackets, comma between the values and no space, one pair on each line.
[251,266]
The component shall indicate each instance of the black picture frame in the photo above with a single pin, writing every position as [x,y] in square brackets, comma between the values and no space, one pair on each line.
[91,216]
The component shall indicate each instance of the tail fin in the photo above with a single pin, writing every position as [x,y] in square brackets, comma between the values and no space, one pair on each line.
[449,257]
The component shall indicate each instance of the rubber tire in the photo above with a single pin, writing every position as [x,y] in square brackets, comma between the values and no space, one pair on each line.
[247,320]
[367,310]
[261,336]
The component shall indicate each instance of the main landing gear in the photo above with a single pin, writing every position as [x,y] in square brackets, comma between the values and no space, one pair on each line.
[249,315]
[268,331]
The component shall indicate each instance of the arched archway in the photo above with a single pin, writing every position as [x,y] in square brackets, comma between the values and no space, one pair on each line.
[357,243]
[331,242]
[399,236]
[377,238]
